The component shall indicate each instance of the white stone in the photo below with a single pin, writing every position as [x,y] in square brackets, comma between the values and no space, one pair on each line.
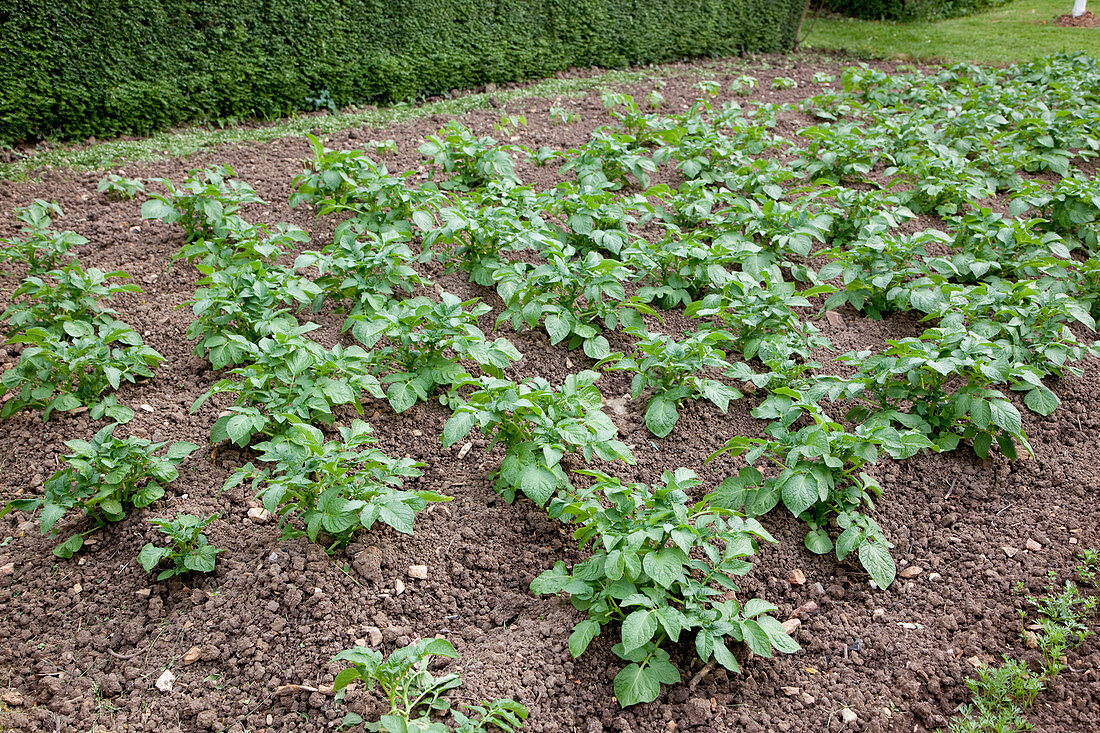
[166,680]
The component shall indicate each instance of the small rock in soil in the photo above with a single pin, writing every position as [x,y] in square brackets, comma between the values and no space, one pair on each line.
[791,625]
[1033,545]
[911,572]
[697,711]
[192,655]
[1010,551]
[166,681]
[808,608]
[12,697]
[848,716]
[879,614]
[368,563]
[258,514]
[418,571]
[7,569]
[797,577]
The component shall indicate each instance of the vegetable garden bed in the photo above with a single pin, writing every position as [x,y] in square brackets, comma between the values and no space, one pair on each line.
[767,343]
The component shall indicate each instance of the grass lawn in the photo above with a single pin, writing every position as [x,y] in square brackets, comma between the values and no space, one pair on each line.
[1016,32]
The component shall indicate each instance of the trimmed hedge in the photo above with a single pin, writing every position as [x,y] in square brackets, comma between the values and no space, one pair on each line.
[75,68]
[908,10]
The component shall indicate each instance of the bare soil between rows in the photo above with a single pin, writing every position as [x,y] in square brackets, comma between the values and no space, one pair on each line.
[83,641]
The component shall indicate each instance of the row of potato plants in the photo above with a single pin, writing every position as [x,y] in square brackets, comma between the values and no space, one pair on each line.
[286,384]
[75,353]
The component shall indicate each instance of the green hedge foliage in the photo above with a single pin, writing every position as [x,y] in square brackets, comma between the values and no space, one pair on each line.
[75,68]
[908,10]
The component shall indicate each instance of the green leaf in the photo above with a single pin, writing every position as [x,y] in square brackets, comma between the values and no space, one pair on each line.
[583,634]
[346,677]
[1005,416]
[550,582]
[756,607]
[69,547]
[719,394]
[876,560]
[800,492]
[1041,400]
[848,540]
[113,374]
[982,443]
[596,348]
[218,432]
[337,392]
[557,328]
[779,637]
[239,429]
[401,396]
[457,427]
[756,638]
[150,556]
[664,670]
[157,209]
[423,220]
[65,402]
[397,514]
[665,566]
[538,482]
[818,541]
[638,629]
[724,656]
[634,684]
[661,416]
[440,648]
[180,450]
[202,559]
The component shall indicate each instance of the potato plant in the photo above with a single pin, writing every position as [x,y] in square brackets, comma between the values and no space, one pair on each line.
[334,487]
[106,477]
[674,371]
[424,343]
[290,379]
[539,426]
[205,205]
[414,693]
[188,550]
[42,248]
[73,368]
[661,568]
[763,237]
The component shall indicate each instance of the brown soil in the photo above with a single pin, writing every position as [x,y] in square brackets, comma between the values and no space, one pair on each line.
[1087,19]
[83,641]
